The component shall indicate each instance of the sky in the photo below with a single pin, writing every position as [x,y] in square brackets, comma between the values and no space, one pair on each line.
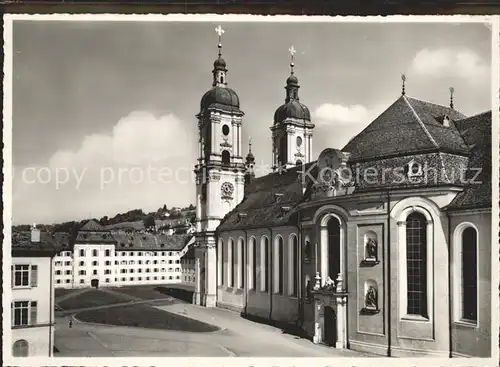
[104,112]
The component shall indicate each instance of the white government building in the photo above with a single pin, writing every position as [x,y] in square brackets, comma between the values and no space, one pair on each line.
[101,257]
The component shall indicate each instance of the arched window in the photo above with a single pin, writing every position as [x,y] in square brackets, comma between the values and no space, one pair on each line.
[234,260]
[264,256]
[221,262]
[253,264]
[108,253]
[226,158]
[416,264]
[20,348]
[333,248]
[241,263]
[94,252]
[294,266]
[278,285]
[469,274]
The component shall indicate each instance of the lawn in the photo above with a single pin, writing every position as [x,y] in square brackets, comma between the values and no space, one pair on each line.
[145,292]
[91,298]
[141,315]
[59,292]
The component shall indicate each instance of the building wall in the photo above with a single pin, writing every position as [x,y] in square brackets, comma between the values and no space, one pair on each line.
[257,300]
[473,339]
[411,336]
[120,268]
[39,335]
[188,272]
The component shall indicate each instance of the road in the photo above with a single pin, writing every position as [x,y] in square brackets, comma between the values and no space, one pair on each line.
[238,337]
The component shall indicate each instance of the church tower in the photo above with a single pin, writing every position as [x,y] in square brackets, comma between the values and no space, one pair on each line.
[292,129]
[219,174]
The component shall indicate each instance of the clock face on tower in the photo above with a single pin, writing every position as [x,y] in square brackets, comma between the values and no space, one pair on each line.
[227,189]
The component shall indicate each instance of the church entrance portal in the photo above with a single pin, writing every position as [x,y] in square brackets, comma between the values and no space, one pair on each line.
[330,323]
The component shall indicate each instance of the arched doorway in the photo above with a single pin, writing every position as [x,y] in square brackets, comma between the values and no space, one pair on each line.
[94,283]
[330,336]
[333,228]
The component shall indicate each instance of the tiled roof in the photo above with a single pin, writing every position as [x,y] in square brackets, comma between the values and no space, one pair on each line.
[62,238]
[91,225]
[145,240]
[476,132]
[22,244]
[94,236]
[408,126]
[136,225]
[269,200]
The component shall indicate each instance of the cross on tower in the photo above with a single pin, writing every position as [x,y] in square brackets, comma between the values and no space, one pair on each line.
[292,52]
[452,90]
[220,32]
[403,78]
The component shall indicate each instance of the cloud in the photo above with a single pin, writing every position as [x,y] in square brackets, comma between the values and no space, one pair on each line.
[337,124]
[144,162]
[336,113]
[447,62]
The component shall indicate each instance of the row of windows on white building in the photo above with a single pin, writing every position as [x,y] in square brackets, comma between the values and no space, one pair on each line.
[125,279]
[122,262]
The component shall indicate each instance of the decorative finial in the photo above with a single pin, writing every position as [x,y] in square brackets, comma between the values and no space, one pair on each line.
[249,144]
[452,90]
[403,78]
[220,32]
[292,53]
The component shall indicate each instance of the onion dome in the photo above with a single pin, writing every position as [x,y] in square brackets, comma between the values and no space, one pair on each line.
[292,108]
[220,97]
[220,64]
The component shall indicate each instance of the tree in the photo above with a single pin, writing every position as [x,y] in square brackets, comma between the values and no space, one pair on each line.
[149,221]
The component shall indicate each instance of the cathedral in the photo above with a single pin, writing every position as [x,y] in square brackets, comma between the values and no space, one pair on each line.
[383,246]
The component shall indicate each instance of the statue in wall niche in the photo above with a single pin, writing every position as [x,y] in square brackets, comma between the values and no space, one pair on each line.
[371,249]
[307,251]
[371,298]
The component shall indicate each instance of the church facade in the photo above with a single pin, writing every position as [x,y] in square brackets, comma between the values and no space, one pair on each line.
[382,246]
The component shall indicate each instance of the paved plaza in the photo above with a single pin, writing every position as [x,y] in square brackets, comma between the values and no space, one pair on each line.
[236,337]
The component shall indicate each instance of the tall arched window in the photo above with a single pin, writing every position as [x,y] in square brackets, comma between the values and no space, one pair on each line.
[333,248]
[234,262]
[469,274]
[221,261]
[20,348]
[253,274]
[229,262]
[264,264]
[278,278]
[416,264]
[294,266]
[241,264]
